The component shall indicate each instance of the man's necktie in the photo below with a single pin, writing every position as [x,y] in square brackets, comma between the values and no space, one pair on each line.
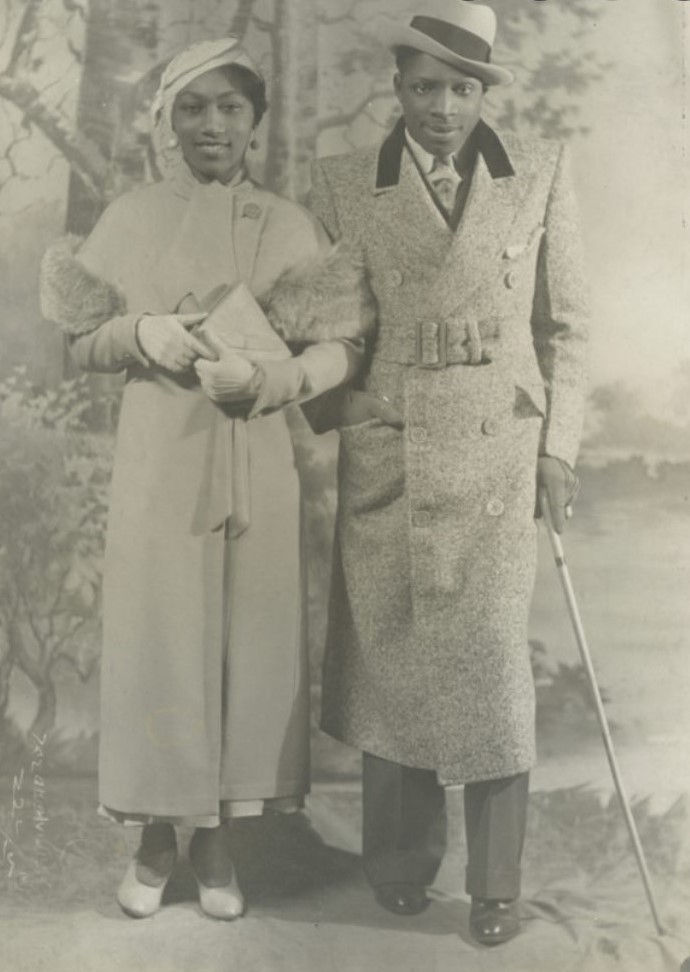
[445,181]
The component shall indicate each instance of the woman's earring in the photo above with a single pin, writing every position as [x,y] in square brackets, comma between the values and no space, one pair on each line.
[173,142]
[254,144]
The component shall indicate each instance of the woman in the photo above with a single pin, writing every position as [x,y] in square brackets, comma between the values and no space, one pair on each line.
[204,674]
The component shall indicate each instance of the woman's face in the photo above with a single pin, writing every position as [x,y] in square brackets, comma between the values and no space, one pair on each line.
[213,121]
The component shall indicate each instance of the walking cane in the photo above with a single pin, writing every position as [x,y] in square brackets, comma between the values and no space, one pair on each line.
[567,586]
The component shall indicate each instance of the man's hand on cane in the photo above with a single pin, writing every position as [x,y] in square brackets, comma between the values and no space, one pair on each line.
[557,480]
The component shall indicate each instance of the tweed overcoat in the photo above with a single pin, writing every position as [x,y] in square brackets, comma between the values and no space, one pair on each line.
[204,678]
[481,345]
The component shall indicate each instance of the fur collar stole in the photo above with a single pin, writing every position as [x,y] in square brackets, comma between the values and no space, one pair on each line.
[319,300]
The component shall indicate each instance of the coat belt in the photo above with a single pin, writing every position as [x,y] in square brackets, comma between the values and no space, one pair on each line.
[438,343]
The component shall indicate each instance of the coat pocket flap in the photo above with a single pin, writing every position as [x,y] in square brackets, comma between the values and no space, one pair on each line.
[534,389]
[514,251]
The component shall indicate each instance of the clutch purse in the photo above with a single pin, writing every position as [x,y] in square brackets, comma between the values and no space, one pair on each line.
[235,318]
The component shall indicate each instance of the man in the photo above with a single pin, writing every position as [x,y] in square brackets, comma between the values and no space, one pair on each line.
[471,405]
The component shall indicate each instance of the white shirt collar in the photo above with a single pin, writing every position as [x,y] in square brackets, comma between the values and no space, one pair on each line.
[425,160]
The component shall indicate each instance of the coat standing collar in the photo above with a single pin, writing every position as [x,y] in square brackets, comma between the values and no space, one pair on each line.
[185,183]
[487,142]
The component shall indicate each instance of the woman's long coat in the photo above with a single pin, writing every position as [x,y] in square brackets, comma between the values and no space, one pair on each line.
[481,346]
[205,688]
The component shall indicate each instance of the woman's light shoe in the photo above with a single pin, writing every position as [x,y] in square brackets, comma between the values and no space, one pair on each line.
[137,899]
[225,903]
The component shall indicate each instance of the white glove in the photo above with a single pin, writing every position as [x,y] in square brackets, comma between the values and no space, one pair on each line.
[164,340]
[229,378]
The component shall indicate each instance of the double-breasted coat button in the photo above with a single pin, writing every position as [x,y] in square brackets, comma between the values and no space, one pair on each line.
[490,427]
[510,279]
[418,434]
[495,507]
[395,278]
[421,518]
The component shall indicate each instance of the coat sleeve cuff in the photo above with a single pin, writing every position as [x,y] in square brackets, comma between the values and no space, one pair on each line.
[111,347]
[281,383]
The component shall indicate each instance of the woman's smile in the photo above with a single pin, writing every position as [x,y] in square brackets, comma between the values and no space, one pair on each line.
[213,120]
[213,148]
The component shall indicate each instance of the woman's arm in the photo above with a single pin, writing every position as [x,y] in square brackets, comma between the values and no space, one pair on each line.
[272,385]
[78,292]
[319,368]
[111,347]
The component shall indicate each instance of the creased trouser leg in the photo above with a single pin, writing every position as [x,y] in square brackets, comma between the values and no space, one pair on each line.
[495,823]
[404,823]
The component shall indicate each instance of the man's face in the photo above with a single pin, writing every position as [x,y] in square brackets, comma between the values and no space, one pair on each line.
[441,103]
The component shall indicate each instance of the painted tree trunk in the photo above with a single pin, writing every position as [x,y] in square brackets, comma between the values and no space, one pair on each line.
[121,44]
[293,121]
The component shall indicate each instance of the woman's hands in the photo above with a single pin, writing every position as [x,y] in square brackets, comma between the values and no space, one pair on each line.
[230,377]
[165,341]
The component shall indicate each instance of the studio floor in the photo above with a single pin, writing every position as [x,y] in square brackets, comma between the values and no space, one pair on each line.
[310,910]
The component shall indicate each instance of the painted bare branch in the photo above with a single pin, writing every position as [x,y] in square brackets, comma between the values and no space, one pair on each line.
[243,15]
[342,118]
[72,6]
[82,154]
[26,34]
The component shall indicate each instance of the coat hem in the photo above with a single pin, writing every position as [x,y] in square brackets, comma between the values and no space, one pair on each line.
[228,809]
[447,776]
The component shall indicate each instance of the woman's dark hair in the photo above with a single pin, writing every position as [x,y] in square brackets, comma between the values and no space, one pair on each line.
[252,87]
[403,56]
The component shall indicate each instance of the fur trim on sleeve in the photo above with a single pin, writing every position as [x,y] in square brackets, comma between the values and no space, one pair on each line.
[320,300]
[323,299]
[71,295]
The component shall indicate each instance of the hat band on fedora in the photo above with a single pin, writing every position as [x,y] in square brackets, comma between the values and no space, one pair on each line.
[456,39]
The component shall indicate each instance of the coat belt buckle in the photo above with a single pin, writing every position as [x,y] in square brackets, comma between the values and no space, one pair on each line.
[432,344]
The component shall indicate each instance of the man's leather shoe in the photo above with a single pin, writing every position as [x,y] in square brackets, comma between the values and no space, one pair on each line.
[493,922]
[402,898]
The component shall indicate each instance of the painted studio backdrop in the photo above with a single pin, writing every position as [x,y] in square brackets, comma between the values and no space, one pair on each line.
[76,81]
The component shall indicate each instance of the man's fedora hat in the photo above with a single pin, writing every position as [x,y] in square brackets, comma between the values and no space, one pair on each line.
[459,32]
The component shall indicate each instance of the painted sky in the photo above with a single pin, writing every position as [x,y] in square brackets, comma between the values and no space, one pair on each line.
[632,173]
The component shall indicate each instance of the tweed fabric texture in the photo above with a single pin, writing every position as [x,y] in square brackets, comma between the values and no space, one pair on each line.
[427,661]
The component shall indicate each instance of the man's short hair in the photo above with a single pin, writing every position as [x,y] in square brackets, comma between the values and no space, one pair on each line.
[403,55]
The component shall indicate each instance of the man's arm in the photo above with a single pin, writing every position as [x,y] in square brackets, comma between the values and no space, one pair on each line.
[560,323]
[343,405]
[560,319]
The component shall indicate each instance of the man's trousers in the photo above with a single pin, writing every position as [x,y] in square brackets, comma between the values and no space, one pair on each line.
[404,828]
